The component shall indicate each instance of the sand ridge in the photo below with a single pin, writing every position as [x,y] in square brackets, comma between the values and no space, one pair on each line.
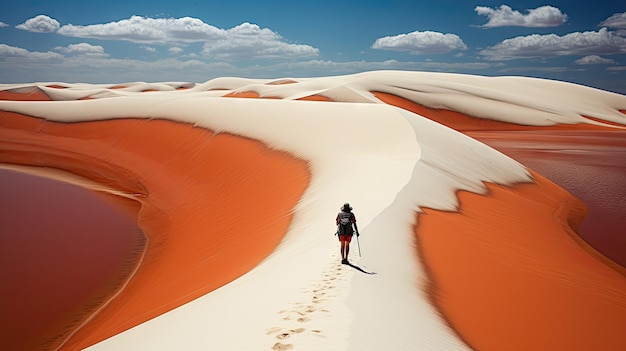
[425,166]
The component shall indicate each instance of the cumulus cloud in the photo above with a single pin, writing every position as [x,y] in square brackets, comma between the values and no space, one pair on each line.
[544,69]
[12,51]
[147,30]
[82,49]
[593,60]
[618,20]
[2,24]
[602,42]
[40,24]
[246,40]
[421,43]
[544,16]
[175,50]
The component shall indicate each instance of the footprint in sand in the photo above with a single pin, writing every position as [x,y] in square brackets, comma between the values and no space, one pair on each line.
[274,330]
[280,346]
[319,294]
[289,333]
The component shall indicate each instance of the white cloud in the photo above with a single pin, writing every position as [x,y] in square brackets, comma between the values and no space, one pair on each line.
[525,70]
[618,20]
[12,51]
[40,24]
[149,48]
[544,16]
[249,40]
[6,50]
[147,30]
[82,49]
[2,24]
[243,41]
[602,42]
[421,43]
[593,60]
[175,50]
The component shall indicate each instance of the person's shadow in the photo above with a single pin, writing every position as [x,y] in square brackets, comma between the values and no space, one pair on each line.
[358,268]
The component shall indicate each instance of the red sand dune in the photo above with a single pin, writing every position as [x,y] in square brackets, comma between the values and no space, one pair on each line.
[590,164]
[315,98]
[509,273]
[245,94]
[255,95]
[197,189]
[464,123]
[30,94]
[503,282]
[587,160]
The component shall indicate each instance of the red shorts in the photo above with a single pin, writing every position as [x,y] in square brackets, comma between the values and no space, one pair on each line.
[346,238]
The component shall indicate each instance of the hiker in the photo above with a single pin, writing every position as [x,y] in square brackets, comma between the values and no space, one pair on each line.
[345,220]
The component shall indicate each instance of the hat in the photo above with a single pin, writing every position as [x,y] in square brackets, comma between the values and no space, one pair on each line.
[346,206]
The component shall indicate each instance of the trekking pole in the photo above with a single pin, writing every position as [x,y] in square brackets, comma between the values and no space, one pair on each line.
[358,245]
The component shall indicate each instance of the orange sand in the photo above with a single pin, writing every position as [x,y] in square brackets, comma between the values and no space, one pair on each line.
[315,98]
[509,273]
[213,205]
[245,94]
[31,94]
[591,172]
[464,123]
[590,164]
[255,95]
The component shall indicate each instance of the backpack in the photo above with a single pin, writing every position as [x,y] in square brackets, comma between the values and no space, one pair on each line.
[344,218]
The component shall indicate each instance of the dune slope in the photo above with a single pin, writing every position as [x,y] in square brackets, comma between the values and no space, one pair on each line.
[434,207]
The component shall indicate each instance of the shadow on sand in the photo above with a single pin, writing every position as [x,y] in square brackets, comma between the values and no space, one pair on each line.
[359,268]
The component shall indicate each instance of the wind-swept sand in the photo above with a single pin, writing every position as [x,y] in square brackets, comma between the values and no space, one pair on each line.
[437,256]
[509,272]
[588,160]
[590,164]
[187,179]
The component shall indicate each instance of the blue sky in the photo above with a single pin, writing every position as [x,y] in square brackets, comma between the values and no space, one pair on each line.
[121,41]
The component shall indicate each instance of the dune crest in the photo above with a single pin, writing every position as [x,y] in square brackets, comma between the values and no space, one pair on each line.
[374,139]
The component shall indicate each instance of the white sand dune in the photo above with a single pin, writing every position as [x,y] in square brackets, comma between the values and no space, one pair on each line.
[387,162]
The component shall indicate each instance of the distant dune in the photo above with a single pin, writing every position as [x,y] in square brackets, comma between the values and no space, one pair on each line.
[491,211]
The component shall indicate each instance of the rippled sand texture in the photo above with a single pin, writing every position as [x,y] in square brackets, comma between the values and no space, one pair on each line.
[514,245]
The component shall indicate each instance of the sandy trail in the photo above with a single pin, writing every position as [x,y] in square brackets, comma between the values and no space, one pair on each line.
[507,270]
